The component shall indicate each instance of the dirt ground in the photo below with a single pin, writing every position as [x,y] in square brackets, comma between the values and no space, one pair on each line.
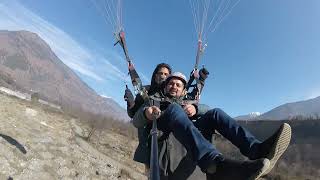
[40,143]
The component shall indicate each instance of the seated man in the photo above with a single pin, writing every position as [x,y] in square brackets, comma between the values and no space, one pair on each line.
[175,119]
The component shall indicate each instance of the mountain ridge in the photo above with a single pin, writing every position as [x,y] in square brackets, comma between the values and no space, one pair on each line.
[309,108]
[304,108]
[28,63]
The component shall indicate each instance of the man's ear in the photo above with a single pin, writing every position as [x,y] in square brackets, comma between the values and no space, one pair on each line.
[184,92]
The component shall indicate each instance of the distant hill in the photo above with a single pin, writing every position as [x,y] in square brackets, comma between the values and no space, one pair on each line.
[28,64]
[297,110]
[307,108]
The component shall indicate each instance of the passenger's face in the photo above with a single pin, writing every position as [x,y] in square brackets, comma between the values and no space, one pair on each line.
[175,88]
[162,75]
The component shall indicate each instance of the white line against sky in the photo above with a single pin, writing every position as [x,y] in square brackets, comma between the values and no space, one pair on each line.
[315,92]
[14,16]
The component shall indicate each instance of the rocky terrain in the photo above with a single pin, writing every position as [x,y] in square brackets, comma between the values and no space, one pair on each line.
[37,142]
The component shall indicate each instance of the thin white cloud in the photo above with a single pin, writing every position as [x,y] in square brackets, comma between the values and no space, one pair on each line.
[145,79]
[85,71]
[105,96]
[14,16]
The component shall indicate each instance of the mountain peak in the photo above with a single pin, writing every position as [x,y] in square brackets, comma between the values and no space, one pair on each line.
[254,114]
[250,116]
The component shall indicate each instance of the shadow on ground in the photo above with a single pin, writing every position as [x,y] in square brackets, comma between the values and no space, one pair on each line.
[14,143]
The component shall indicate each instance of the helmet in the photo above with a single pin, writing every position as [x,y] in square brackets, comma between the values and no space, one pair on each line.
[177,75]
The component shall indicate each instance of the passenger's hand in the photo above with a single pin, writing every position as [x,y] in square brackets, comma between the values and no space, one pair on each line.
[152,113]
[190,110]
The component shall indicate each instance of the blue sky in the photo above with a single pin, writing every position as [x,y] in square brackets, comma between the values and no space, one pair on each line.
[264,54]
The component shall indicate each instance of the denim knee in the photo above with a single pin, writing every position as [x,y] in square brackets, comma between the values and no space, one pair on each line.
[173,111]
[216,114]
[215,111]
[212,114]
[174,108]
[174,114]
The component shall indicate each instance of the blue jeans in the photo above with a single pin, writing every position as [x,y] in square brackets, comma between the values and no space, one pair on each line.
[216,119]
[191,135]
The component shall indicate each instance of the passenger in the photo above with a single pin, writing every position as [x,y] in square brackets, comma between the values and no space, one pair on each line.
[175,118]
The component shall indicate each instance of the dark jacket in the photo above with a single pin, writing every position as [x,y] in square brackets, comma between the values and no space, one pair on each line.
[142,152]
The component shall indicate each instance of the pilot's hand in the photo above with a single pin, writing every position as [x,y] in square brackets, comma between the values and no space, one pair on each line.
[203,73]
[128,96]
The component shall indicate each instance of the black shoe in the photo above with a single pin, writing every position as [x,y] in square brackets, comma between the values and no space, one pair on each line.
[273,147]
[239,170]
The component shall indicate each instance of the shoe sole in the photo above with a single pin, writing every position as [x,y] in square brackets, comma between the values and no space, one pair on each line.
[258,173]
[264,168]
[282,143]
